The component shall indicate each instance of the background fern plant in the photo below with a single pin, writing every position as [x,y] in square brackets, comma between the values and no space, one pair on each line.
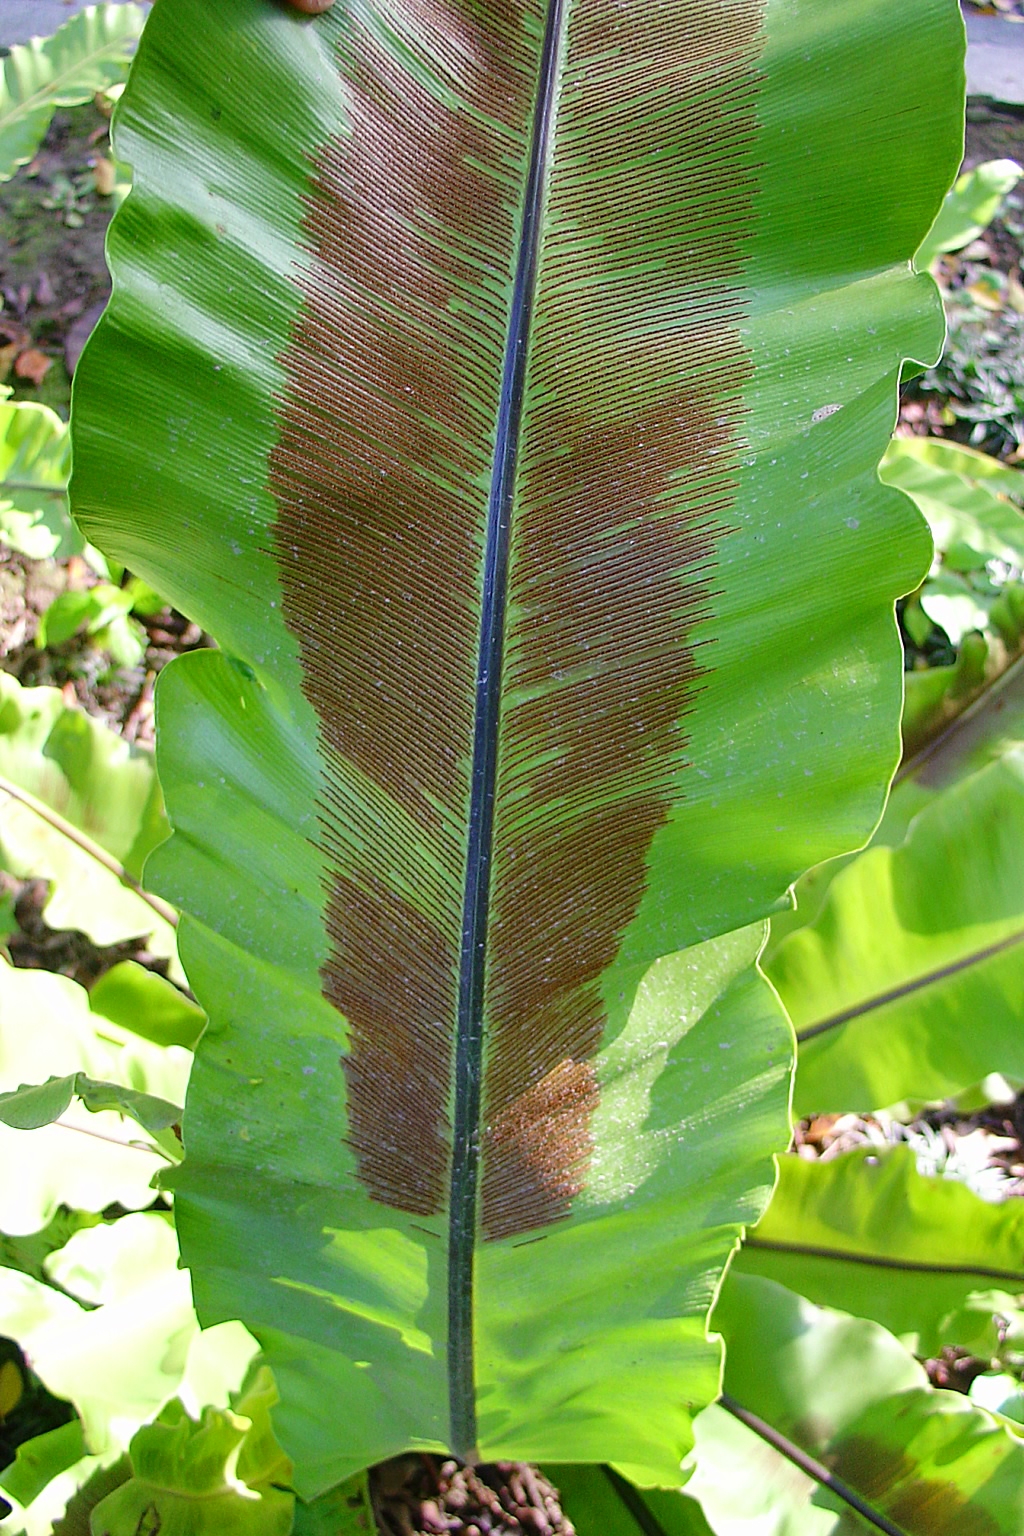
[504,405]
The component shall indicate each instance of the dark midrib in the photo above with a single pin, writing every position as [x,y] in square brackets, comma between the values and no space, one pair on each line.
[876,1261]
[631,1498]
[809,1466]
[908,988]
[990,699]
[469,1030]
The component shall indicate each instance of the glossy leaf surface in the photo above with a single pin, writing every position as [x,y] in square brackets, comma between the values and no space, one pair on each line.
[967,497]
[495,400]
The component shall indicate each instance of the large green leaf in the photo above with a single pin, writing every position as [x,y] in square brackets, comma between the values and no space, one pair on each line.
[87,54]
[910,981]
[505,399]
[967,497]
[979,735]
[846,1393]
[868,1234]
[990,728]
[956,719]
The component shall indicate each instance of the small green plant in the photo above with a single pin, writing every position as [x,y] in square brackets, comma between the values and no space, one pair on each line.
[35,460]
[89,53]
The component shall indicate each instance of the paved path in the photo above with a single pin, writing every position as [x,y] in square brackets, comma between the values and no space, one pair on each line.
[995,58]
[22,19]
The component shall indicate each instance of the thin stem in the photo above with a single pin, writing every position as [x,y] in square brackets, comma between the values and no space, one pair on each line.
[34,489]
[114,1141]
[808,1465]
[876,1261]
[984,701]
[56,821]
[908,988]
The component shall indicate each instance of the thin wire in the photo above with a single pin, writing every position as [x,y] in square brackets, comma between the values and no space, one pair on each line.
[113,1141]
[877,1261]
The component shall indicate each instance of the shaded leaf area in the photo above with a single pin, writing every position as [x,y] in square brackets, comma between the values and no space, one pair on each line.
[75,1518]
[600,1502]
[426,1496]
[908,983]
[870,1235]
[847,1393]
